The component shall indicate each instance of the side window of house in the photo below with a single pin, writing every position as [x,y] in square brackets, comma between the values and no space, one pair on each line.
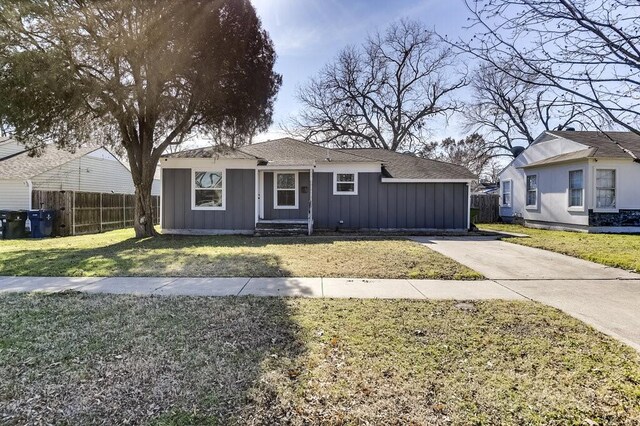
[576,188]
[605,189]
[208,190]
[345,184]
[532,191]
[506,193]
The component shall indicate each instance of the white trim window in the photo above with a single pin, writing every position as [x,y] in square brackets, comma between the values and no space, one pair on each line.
[345,183]
[285,190]
[532,191]
[208,190]
[606,189]
[506,193]
[576,188]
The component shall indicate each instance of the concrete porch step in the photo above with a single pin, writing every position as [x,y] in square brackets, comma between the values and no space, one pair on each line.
[281,227]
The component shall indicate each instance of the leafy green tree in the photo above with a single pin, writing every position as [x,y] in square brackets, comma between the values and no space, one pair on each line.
[138,75]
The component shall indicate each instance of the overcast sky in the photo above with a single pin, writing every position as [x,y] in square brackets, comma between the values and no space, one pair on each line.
[309,33]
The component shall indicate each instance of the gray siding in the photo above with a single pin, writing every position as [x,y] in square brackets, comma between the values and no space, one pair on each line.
[389,205]
[303,199]
[240,202]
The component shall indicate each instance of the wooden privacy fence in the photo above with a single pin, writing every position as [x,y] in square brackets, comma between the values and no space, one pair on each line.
[488,206]
[89,212]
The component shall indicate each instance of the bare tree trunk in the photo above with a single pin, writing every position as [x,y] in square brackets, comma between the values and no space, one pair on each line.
[143,166]
[144,217]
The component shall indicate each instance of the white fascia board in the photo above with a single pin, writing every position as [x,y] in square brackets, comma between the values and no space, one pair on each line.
[396,180]
[222,163]
[102,154]
[373,167]
[286,167]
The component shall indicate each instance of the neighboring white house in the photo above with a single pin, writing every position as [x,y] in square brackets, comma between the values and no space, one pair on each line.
[575,180]
[88,169]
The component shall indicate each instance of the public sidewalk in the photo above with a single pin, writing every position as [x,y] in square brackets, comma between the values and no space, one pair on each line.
[609,305]
[304,287]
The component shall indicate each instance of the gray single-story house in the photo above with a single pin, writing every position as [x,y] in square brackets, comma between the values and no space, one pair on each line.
[290,183]
[575,180]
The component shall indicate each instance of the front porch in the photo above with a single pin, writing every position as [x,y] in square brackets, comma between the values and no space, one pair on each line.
[284,199]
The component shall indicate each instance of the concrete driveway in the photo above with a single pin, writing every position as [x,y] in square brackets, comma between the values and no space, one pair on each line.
[604,297]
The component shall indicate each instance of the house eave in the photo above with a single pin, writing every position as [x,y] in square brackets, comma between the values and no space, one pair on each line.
[437,180]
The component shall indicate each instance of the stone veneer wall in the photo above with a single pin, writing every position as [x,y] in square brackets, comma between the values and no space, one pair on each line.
[621,218]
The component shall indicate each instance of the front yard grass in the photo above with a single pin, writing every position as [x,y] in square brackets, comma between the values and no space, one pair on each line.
[88,359]
[620,251]
[117,253]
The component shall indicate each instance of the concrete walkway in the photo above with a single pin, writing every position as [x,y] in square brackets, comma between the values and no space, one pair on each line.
[306,287]
[606,298]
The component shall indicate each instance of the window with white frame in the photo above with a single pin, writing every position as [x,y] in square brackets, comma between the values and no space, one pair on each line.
[208,190]
[345,183]
[605,189]
[286,190]
[506,193]
[532,190]
[576,188]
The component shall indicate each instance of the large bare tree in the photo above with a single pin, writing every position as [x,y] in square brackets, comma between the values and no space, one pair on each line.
[380,94]
[470,152]
[586,49]
[140,75]
[512,111]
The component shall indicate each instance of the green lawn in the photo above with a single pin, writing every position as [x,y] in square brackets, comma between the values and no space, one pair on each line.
[81,359]
[621,251]
[117,253]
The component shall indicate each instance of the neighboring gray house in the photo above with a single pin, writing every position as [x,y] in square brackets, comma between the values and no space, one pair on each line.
[88,169]
[575,180]
[289,183]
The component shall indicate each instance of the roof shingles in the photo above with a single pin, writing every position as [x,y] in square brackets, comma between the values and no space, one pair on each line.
[606,144]
[292,152]
[287,151]
[22,166]
[407,166]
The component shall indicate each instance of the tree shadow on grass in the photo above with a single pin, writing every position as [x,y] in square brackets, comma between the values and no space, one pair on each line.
[80,359]
[159,256]
[128,258]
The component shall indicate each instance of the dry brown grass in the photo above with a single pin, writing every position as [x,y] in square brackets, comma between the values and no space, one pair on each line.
[116,253]
[80,359]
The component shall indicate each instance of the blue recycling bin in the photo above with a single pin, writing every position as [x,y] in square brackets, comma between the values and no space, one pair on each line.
[41,223]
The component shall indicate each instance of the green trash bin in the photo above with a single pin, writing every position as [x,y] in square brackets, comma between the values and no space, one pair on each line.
[13,224]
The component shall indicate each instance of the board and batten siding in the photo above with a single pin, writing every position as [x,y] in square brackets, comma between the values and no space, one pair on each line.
[390,205]
[239,213]
[303,199]
[14,195]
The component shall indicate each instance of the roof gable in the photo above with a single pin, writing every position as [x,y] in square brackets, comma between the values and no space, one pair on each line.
[606,144]
[23,166]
